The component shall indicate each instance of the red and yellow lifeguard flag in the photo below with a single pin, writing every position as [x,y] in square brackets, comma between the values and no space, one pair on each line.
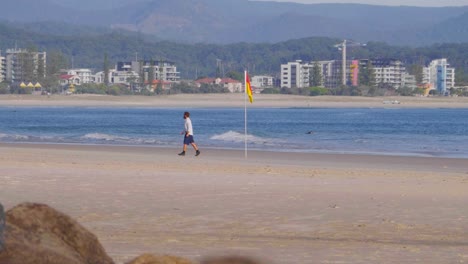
[248,87]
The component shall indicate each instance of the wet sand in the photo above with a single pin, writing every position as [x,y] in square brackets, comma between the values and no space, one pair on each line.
[233,100]
[281,207]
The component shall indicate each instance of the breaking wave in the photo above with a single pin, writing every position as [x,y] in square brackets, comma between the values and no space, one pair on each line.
[101,137]
[104,137]
[236,137]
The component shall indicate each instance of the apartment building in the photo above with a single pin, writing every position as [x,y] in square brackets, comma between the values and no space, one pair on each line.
[408,80]
[262,81]
[389,72]
[295,74]
[23,65]
[2,67]
[116,77]
[331,73]
[439,76]
[163,70]
[124,71]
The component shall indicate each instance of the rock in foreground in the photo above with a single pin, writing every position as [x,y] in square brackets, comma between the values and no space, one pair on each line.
[37,233]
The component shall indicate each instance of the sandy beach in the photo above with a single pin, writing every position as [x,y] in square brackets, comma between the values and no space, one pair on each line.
[232,100]
[280,207]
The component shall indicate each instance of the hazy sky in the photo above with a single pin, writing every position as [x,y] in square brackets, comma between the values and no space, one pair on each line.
[386,2]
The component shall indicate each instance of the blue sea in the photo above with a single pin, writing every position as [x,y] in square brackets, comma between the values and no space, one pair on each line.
[410,132]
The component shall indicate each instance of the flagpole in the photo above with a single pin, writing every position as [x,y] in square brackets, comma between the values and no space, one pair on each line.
[245,114]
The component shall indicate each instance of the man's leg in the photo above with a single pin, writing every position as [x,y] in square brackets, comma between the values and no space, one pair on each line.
[184,149]
[197,151]
[194,146]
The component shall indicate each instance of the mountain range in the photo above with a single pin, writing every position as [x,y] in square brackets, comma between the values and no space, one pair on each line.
[231,21]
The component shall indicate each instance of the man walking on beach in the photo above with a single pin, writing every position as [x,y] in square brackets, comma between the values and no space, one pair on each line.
[188,138]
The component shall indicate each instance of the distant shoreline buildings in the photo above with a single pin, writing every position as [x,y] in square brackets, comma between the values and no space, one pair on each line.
[385,72]
[24,66]
[125,73]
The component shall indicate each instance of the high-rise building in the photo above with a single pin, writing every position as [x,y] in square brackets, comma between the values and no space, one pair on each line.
[163,70]
[295,74]
[385,71]
[389,72]
[409,81]
[331,73]
[24,66]
[2,67]
[439,76]
[332,76]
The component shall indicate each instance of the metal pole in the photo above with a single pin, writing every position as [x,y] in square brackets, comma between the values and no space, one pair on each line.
[344,63]
[245,113]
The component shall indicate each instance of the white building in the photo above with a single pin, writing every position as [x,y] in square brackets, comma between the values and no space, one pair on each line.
[439,76]
[389,72]
[164,71]
[67,80]
[2,68]
[295,74]
[85,75]
[232,85]
[262,81]
[116,77]
[408,80]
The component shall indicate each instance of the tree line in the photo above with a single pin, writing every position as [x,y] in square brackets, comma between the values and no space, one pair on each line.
[195,60]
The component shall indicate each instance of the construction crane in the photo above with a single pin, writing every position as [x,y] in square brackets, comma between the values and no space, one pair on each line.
[342,46]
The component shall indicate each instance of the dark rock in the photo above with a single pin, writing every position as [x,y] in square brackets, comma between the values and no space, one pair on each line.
[37,233]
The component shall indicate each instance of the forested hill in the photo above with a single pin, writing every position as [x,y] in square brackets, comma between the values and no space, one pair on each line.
[230,21]
[88,51]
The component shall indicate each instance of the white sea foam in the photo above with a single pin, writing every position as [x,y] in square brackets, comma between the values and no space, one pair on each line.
[20,137]
[120,139]
[105,137]
[236,137]
[9,137]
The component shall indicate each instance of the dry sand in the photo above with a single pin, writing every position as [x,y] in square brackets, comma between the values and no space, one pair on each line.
[231,100]
[282,207]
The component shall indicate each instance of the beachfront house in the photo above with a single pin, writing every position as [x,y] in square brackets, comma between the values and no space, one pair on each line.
[84,74]
[68,79]
[232,85]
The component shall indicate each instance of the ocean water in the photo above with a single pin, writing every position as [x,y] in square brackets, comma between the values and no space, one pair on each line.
[412,132]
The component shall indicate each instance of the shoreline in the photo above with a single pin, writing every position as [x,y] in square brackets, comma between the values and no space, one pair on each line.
[420,154]
[230,101]
[279,207]
[371,160]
